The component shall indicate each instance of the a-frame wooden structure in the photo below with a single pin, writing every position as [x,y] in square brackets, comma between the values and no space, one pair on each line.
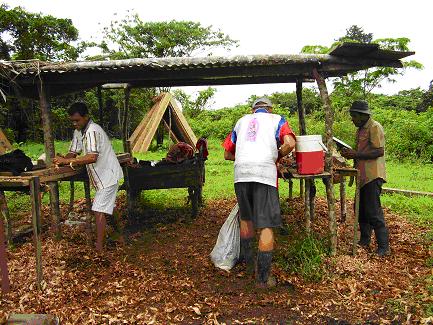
[165,110]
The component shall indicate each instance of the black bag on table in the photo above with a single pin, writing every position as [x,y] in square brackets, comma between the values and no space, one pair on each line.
[15,162]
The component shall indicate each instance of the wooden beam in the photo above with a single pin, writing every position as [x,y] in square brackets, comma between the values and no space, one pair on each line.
[302,126]
[35,196]
[405,192]
[100,107]
[125,118]
[50,152]
[329,121]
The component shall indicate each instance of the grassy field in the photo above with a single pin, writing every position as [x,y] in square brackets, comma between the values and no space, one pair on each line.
[219,183]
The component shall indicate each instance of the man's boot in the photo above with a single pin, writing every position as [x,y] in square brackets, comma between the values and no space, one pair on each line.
[365,230]
[246,254]
[382,241]
[264,260]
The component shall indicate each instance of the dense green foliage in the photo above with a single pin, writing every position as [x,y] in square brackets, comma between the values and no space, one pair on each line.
[131,37]
[28,35]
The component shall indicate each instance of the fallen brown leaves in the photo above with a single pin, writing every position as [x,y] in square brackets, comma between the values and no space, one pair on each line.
[164,275]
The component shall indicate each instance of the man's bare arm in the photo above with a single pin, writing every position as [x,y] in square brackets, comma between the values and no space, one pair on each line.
[228,155]
[287,146]
[372,154]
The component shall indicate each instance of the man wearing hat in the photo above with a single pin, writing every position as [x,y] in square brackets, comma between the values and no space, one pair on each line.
[369,157]
[255,144]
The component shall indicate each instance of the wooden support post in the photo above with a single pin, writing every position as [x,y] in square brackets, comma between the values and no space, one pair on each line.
[44,103]
[5,285]
[71,197]
[312,199]
[343,206]
[125,118]
[290,188]
[100,107]
[302,125]
[329,121]
[356,218]
[35,196]
[301,188]
[307,205]
[6,217]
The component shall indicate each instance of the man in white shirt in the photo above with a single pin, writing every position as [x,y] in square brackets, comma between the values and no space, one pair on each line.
[101,163]
[255,144]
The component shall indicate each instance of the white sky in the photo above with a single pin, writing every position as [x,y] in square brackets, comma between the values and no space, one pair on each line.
[267,27]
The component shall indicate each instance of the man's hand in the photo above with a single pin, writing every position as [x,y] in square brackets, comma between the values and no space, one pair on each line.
[349,153]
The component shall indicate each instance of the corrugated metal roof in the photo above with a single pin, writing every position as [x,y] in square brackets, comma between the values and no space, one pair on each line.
[65,77]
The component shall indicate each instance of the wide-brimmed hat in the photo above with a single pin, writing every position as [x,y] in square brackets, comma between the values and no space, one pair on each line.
[360,106]
[262,102]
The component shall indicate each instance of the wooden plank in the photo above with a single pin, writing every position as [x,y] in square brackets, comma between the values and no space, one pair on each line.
[37,227]
[139,134]
[18,181]
[329,121]
[295,175]
[183,122]
[154,123]
[142,125]
[5,145]
[405,192]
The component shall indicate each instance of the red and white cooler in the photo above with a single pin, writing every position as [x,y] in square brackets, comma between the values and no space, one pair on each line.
[310,154]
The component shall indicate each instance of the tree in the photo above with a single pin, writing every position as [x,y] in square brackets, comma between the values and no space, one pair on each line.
[193,107]
[426,99]
[25,36]
[28,35]
[359,85]
[133,38]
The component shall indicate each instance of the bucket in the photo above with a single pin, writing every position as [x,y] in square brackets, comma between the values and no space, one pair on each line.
[310,154]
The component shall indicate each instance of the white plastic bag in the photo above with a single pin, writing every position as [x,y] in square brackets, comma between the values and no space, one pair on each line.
[225,254]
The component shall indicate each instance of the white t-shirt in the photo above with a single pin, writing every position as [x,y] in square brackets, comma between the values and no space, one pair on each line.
[256,147]
[106,171]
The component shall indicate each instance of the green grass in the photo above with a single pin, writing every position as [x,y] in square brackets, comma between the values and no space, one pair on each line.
[219,182]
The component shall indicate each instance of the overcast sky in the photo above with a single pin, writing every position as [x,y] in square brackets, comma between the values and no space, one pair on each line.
[267,27]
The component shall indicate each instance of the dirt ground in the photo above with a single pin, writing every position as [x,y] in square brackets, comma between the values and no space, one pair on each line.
[163,274]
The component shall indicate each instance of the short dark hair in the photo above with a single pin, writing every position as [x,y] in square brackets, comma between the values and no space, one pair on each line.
[78,107]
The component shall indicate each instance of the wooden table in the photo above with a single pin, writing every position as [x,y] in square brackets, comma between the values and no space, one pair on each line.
[33,182]
[309,199]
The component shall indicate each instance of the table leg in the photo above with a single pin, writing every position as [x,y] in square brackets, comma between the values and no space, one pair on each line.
[307,205]
[356,219]
[312,199]
[35,196]
[3,260]
[343,206]
[6,217]
[290,189]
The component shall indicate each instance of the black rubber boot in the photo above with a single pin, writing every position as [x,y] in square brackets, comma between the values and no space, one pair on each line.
[382,241]
[264,260]
[246,254]
[365,230]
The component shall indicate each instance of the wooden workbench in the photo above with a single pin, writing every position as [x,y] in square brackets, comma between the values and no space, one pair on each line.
[309,199]
[33,182]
